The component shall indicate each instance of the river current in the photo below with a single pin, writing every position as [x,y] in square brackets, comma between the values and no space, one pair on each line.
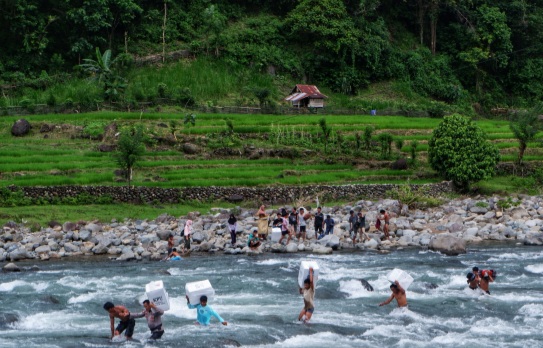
[61,304]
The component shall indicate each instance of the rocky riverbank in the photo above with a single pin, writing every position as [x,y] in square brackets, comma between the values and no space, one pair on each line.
[448,229]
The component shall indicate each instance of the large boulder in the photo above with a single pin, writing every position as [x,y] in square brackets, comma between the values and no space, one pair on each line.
[85,235]
[164,234]
[43,249]
[20,254]
[11,267]
[321,250]
[190,149]
[20,128]
[292,248]
[94,228]
[278,248]
[69,226]
[127,256]
[331,241]
[533,240]
[198,237]
[100,249]
[448,244]
[71,248]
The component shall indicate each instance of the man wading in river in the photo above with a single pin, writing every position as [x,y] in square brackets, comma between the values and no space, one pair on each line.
[126,322]
[398,293]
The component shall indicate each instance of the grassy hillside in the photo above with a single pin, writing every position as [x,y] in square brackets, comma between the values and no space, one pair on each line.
[63,156]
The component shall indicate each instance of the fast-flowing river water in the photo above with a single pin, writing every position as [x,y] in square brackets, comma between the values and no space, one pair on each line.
[61,304]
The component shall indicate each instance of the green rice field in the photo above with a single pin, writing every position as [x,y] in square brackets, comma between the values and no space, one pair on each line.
[61,159]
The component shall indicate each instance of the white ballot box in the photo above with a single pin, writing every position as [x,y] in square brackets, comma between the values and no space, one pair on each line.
[303,274]
[157,294]
[276,234]
[402,277]
[195,290]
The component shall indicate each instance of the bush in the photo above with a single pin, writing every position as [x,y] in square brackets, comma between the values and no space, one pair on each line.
[162,90]
[437,109]
[51,100]
[459,151]
[418,198]
[25,103]
[185,98]
[69,103]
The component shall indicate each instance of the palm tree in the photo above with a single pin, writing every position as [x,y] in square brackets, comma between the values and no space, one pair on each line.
[101,70]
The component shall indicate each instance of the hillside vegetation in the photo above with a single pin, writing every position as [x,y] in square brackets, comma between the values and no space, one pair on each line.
[434,55]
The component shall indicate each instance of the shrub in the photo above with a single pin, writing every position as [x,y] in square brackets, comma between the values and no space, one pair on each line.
[162,90]
[459,151]
[417,198]
[69,103]
[51,100]
[436,109]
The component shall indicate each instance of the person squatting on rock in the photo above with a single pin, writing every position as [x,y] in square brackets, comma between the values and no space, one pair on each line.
[125,323]
[204,312]
[232,227]
[253,241]
[153,316]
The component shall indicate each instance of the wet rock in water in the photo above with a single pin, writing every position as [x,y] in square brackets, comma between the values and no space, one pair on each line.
[366,285]
[50,299]
[430,286]
[163,272]
[292,248]
[20,128]
[331,241]
[228,342]
[6,319]
[533,240]
[20,254]
[127,256]
[278,248]
[448,244]
[11,267]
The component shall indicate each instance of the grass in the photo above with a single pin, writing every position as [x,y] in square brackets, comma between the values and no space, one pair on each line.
[62,159]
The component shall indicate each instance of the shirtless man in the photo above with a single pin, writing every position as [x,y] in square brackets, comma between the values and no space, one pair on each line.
[473,281]
[486,279]
[126,322]
[398,293]
[386,219]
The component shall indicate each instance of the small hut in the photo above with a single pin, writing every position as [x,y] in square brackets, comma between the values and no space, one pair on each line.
[306,96]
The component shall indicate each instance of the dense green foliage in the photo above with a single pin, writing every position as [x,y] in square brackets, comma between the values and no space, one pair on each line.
[459,151]
[130,148]
[481,52]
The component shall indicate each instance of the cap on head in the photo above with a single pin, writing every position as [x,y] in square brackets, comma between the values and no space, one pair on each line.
[108,306]
[203,298]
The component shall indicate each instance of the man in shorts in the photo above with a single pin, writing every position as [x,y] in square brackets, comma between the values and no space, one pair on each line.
[308,292]
[284,228]
[293,221]
[126,322]
[301,221]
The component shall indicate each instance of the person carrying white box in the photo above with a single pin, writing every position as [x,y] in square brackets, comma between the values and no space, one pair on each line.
[204,312]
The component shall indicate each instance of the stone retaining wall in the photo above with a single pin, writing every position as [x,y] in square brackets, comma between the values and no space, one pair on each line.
[269,194]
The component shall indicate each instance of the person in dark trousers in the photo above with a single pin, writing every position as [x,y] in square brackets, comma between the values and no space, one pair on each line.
[126,322]
[353,222]
[329,224]
[153,316]
[319,222]
[232,226]
[293,221]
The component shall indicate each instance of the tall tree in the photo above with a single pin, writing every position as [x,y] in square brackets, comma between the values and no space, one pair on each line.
[130,148]
[525,127]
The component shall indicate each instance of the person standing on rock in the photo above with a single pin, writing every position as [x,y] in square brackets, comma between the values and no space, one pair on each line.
[319,222]
[398,293]
[303,225]
[126,322]
[284,228]
[361,227]
[170,244]
[186,235]
[232,227]
[329,223]
[263,221]
[385,222]
[293,221]
[353,222]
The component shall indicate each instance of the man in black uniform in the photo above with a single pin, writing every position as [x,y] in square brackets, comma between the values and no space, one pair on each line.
[319,222]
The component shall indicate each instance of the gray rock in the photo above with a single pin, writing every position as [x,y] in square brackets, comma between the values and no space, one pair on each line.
[448,244]
[43,249]
[533,240]
[20,254]
[8,319]
[198,237]
[321,250]
[104,240]
[20,128]
[100,249]
[71,248]
[127,256]
[366,285]
[190,149]
[478,210]
[205,246]
[85,235]
[292,248]
[11,267]
[163,234]
[69,226]
[278,248]
[371,244]
[331,241]
[147,239]
[490,215]
[94,228]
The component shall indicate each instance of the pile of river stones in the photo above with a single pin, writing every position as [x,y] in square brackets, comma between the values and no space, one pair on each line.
[446,229]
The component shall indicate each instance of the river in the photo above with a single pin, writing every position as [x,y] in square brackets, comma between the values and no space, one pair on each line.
[61,304]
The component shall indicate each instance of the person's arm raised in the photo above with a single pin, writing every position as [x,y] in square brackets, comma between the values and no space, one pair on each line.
[402,290]
[311,278]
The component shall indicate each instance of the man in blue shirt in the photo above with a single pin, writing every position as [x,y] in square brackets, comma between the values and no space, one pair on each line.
[205,312]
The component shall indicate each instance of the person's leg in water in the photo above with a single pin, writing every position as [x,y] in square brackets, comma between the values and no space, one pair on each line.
[157,333]
[305,315]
